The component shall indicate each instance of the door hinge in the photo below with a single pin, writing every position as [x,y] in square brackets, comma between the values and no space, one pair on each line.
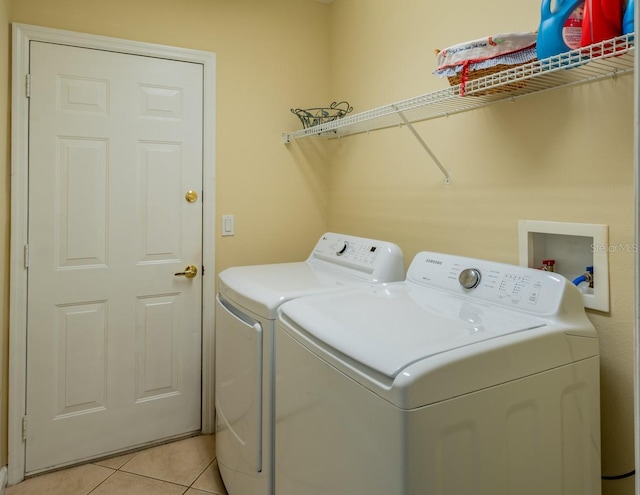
[26,255]
[24,427]
[203,270]
[27,86]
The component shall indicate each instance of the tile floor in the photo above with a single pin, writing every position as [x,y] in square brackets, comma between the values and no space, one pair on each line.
[183,467]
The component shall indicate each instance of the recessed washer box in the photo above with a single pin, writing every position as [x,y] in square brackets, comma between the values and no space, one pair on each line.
[573,247]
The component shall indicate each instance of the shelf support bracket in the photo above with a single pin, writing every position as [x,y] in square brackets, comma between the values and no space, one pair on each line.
[447,175]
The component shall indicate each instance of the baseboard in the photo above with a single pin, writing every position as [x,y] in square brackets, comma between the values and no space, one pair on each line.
[3,479]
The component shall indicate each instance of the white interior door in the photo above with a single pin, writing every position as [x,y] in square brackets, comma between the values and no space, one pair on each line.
[113,335]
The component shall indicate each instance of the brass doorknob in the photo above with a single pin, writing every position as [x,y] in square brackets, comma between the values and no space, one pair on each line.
[191,196]
[189,272]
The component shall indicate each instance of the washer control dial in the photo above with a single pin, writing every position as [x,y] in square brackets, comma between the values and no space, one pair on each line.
[469,278]
[342,248]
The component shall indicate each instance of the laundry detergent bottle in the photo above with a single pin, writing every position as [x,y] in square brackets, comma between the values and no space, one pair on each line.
[560,27]
[628,19]
[602,20]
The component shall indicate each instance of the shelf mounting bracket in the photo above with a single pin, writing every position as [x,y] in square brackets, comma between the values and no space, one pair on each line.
[447,175]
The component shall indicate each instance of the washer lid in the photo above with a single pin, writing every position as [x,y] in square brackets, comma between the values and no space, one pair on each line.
[337,261]
[388,328]
[262,288]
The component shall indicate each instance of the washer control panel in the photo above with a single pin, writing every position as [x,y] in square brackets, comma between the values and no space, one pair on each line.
[508,285]
[379,260]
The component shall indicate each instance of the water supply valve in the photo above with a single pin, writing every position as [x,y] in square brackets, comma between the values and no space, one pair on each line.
[548,265]
[587,276]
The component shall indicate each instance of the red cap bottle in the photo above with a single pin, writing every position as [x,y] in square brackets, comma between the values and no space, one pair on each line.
[602,20]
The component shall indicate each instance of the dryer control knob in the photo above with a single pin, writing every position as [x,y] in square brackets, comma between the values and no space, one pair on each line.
[343,248]
[469,278]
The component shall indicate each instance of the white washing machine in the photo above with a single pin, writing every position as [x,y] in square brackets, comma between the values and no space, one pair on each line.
[469,378]
[247,303]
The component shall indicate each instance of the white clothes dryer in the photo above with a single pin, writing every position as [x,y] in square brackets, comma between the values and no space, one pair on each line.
[246,309]
[468,378]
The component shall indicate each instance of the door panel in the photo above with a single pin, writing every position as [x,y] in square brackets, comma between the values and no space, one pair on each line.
[80,332]
[81,202]
[159,201]
[157,335]
[113,337]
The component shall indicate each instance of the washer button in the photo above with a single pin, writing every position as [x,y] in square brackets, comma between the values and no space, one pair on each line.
[469,278]
[343,249]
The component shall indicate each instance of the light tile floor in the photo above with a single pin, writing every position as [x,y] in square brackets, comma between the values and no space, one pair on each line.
[184,467]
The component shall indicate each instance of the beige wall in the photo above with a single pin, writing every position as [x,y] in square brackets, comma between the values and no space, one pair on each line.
[4,218]
[563,156]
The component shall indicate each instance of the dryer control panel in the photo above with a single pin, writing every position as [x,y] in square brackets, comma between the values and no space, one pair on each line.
[379,261]
[508,285]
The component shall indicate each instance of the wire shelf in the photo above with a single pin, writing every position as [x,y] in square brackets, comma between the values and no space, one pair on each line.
[611,58]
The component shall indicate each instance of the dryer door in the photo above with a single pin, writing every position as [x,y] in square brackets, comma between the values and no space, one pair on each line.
[238,387]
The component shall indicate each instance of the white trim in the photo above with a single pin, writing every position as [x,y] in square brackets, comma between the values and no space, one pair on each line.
[22,35]
[3,479]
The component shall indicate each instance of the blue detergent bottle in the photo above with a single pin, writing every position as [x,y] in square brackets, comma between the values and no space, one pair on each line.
[560,27]
[628,19]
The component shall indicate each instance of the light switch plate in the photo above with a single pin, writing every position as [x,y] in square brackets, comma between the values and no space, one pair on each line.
[228,225]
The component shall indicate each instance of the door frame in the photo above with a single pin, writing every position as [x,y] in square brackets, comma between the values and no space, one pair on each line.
[22,35]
